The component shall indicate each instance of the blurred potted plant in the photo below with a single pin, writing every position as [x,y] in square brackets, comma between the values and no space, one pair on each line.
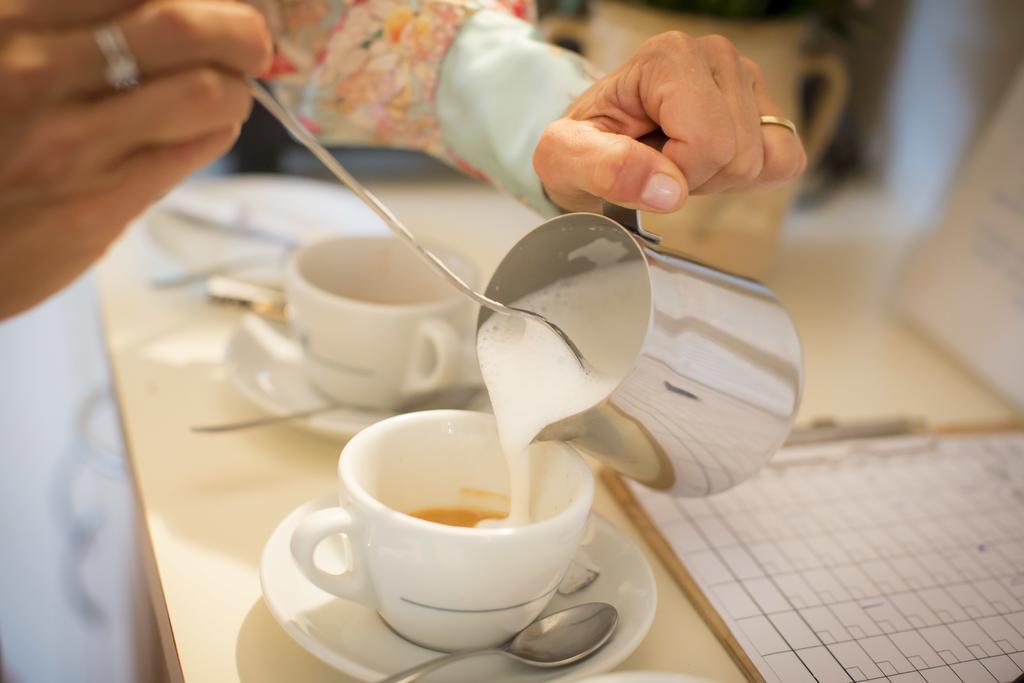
[732,232]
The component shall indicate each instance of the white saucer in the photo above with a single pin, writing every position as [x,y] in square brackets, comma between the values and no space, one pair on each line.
[298,209]
[264,364]
[353,639]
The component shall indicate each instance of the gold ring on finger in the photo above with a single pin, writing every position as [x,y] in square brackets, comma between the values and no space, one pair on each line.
[122,71]
[778,121]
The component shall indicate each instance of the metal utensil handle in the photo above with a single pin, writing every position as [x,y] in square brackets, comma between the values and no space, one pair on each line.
[630,218]
[308,141]
[263,421]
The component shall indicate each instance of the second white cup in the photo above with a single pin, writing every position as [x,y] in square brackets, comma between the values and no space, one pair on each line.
[377,325]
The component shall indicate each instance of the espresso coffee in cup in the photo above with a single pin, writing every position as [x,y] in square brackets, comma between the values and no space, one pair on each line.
[447,586]
[458,515]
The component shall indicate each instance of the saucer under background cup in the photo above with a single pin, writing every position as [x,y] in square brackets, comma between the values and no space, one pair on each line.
[353,639]
[264,364]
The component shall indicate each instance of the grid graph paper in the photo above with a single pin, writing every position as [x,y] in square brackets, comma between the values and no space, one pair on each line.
[880,560]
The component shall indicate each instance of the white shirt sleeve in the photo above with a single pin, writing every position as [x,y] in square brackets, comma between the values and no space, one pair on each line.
[500,86]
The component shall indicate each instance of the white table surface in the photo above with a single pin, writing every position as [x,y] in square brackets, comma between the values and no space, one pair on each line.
[208,502]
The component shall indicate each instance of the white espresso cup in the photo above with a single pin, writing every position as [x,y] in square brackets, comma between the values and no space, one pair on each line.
[447,587]
[376,324]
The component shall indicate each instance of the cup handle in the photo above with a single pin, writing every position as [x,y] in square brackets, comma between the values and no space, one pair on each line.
[824,118]
[438,347]
[352,584]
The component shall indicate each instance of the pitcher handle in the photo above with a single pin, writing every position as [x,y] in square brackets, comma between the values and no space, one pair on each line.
[630,218]
[559,26]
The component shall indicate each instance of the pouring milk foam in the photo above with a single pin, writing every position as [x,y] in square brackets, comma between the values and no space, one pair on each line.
[533,378]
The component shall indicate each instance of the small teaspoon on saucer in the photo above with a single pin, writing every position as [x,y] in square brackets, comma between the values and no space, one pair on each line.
[559,639]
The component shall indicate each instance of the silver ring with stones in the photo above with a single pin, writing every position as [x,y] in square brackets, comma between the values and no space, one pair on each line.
[122,70]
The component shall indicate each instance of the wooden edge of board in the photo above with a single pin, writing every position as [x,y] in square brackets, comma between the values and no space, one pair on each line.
[629,504]
[985,428]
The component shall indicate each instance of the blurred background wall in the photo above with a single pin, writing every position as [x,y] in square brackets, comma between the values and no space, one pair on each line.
[926,76]
[69,588]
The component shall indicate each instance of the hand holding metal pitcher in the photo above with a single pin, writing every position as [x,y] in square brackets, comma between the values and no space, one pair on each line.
[714,369]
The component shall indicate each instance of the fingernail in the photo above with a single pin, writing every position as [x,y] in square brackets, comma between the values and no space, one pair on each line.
[661,192]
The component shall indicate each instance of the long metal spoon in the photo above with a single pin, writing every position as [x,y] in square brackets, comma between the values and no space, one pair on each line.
[558,639]
[310,142]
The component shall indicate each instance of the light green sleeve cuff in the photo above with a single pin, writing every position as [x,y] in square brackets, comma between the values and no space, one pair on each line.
[500,86]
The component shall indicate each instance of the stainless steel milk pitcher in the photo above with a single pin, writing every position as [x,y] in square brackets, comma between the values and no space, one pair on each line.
[713,371]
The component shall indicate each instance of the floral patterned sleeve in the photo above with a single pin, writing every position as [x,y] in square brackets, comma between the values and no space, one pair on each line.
[468,81]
